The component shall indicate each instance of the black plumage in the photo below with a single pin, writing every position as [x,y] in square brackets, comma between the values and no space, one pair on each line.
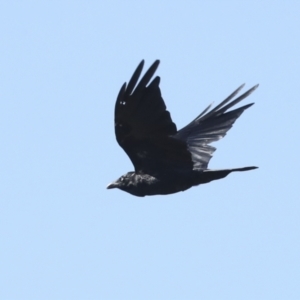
[165,160]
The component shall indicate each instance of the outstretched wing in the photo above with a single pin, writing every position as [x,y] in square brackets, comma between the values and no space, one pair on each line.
[211,126]
[144,127]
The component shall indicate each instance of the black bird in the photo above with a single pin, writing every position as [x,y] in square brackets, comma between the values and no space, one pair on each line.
[165,160]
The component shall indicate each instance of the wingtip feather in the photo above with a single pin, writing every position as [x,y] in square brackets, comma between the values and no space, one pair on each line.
[134,78]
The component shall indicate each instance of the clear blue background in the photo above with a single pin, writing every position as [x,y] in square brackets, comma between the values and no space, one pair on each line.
[63,235]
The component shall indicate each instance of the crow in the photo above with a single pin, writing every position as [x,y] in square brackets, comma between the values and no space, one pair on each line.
[166,160]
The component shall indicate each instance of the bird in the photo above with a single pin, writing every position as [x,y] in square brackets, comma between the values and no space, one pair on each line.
[167,160]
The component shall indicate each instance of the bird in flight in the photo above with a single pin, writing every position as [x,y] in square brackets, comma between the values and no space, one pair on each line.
[167,160]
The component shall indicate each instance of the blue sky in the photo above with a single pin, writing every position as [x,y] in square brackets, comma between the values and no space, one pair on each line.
[63,235]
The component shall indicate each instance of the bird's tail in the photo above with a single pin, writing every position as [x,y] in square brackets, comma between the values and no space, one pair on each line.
[210,175]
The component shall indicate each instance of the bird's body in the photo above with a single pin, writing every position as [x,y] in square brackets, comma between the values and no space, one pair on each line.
[169,182]
[167,161]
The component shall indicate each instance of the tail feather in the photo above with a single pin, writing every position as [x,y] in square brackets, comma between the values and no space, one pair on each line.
[210,175]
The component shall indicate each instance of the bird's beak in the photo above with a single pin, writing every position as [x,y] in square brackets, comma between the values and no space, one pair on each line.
[112,185]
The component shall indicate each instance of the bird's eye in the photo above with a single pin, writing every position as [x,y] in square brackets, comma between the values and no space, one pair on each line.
[122,178]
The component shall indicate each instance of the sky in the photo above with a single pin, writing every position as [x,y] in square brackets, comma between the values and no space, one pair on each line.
[63,235]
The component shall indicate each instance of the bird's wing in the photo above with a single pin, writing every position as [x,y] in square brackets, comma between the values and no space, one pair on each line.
[144,127]
[211,126]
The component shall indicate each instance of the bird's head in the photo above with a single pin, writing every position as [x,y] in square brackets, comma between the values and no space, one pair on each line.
[126,183]
[120,183]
